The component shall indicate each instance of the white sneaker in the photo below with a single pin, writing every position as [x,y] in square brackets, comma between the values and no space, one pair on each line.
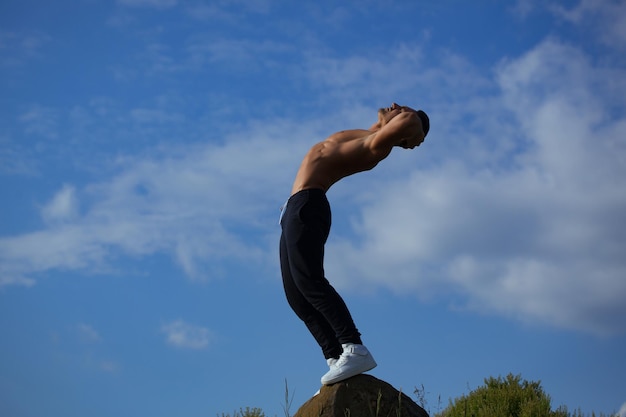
[331,364]
[354,360]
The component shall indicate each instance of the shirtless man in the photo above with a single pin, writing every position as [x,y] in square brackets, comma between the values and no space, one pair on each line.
[305,222]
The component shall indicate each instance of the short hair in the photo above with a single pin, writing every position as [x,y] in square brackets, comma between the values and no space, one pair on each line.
[425,121]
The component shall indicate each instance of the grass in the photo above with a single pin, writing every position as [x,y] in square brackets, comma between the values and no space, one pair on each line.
[288,401]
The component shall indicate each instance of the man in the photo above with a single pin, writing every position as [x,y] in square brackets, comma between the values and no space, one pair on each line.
[305,222]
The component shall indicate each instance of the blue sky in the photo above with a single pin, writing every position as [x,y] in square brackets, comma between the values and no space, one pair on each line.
[147,145]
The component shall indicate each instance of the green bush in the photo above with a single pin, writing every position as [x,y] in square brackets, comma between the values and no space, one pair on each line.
[506,397]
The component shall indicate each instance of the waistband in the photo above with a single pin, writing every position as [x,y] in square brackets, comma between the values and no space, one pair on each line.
[313,192]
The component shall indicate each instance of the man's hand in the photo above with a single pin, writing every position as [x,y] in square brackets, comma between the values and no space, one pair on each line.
[403,129]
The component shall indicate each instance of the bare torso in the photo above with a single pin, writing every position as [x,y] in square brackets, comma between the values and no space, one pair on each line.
[350,151]
[340,155]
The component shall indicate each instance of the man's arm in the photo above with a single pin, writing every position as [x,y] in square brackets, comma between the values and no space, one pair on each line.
[404,125]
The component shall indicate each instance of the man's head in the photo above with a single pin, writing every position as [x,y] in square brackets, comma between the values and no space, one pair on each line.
[387,113]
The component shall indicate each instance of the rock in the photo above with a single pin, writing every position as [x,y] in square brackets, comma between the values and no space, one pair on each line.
[360,396]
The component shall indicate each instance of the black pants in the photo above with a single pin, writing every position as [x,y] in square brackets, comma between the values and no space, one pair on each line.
[305,226]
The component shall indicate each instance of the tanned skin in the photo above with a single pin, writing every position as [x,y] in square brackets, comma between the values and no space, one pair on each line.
[350,151]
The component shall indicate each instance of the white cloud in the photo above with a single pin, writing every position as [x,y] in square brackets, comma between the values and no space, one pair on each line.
[183,335]
[197,204]
[539,235]
[622,411]
[62,207]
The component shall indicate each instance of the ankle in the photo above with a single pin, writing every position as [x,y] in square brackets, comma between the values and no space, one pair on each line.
[355,348]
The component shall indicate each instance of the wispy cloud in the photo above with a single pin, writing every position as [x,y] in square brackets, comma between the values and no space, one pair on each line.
[158,4]
[18,48]
[41,121]
[87,333]
[89,358]
[227,10]
[62,207]
[606,16]
[186,336]
[109,366]
[90,362]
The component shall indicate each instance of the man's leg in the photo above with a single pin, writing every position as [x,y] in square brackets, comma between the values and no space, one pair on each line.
[313,319]
[305,229]
[354,358]
[306,225]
